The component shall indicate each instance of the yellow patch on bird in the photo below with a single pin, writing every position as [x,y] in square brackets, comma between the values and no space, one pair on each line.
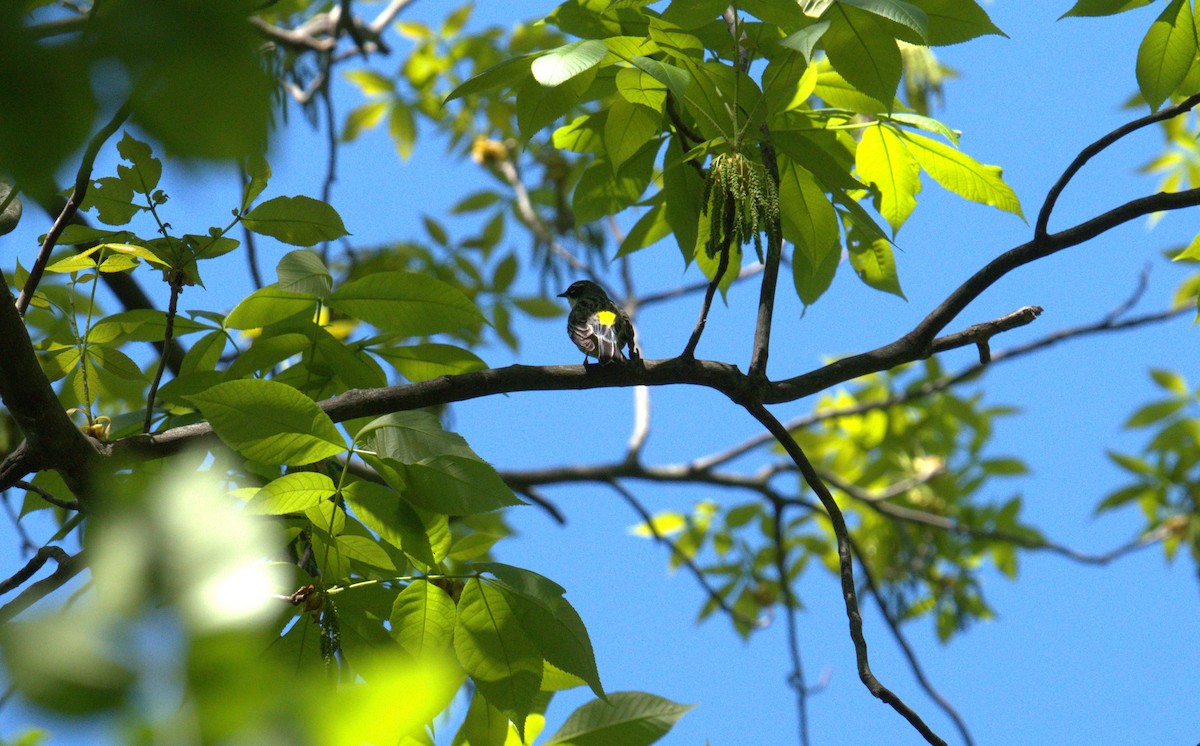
[608,318]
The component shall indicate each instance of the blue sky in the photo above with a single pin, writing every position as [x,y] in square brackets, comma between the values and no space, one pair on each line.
[1077,654]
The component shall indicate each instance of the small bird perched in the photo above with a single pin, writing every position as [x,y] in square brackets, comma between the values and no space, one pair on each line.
[598,327]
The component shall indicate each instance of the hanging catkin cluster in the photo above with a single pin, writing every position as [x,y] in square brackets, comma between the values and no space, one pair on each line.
[741,203]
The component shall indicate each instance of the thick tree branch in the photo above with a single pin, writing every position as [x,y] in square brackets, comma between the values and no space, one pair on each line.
[52,439]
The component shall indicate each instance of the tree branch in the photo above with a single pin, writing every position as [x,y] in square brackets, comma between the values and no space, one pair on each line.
[1085,155]
[83,178]
[69,566]
[789,609]
[916,344]
[906,649]
[682,557]
[845,561]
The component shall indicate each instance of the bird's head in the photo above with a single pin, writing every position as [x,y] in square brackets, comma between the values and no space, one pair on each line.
[582,289]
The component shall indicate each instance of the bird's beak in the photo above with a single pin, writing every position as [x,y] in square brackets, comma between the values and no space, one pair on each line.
[562,295]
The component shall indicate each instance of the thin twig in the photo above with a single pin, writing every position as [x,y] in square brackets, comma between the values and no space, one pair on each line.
[1085,155]
[27,544]
[543,502]
[845,562]
[69,566]
[665,295]
[83,178]
[45,495]
[31,567]
[689,351]
[796,680]
[168,336]
[717,599]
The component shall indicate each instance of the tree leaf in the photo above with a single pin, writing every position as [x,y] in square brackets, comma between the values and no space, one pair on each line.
[456,485]
[874,262]
[883,160]
[299,221]
[422,620]
[269,305]
[627,718]
[627,129]
[862,50]
[1166,53]
[411,436]
[495,651]
[906,14]
[555,67]
[270,422]
[407,303]
[956,21]
[1103,7]
[499,76]
[421,536]
[549,620]
[423,362]
[963,175]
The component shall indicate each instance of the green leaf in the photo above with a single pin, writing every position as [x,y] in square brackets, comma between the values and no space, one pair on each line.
[270,422]
[806,39]
[364,117]
[1132,464]
[557,66]
[600,192]
[423,362]
[407,303]
[963,175]
[1169,380]
[861,48]
[413,532]
[476,201]
[1153,412]
[370,82]
[291,493]
[411,436]
[146,170]
[1103,7]
[113,200]
[258,175]
[1166,53]
[302,271]
[675,78]
[456,485]
[299,221]
[495,651]
[640,87]
[483,725]
[808,218]
[956,21]
[539,106]
[874,262]
[627,129]
[836,91]
[583,134]
[627,718]
[649,228]
[549,620]
[141,325]
[422,620]
[503,75]
[883,160]
[905,14]
[683,191]
[269,305]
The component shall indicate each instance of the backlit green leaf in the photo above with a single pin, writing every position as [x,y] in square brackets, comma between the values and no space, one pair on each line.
[963,175]
[627,718]
[407,303]
[299,221]
[1166,53]
[559,65]
[270,422]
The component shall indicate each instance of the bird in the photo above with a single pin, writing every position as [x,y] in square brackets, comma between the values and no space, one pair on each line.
[597,325]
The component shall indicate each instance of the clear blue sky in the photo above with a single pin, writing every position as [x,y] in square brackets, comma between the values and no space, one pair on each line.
[1078,655]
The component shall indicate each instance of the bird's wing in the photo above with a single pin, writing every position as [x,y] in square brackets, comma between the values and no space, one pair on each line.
[597,336]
